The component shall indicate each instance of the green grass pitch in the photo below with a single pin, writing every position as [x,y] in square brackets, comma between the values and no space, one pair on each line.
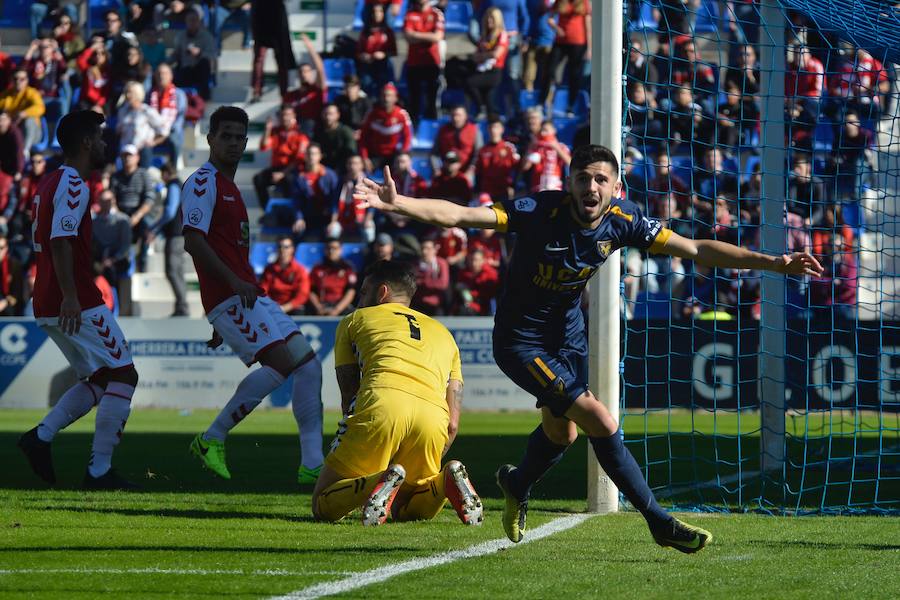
[192,536]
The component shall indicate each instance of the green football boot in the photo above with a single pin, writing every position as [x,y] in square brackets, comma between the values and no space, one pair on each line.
[212,454]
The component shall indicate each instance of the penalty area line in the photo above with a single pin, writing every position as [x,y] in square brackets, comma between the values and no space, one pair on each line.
[165,571]
[380,574]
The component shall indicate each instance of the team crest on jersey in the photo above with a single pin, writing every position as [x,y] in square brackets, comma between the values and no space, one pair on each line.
[245,233]
[604,247]
[67,223]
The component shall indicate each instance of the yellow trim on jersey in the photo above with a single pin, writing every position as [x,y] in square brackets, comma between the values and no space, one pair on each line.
[502,217]
[534,373]
[615,210]
[550,375]
[660,242]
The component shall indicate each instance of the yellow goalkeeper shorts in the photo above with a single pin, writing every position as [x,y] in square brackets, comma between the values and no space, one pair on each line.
[390,427]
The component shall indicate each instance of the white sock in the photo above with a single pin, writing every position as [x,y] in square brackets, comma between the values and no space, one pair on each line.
[250,392]
[306,401]
[112,414]
[74,404]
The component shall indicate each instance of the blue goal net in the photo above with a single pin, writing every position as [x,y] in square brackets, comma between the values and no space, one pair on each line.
[711,145]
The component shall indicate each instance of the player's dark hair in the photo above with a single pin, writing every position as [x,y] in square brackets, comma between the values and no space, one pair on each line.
[397,275]
[75,127]
[227,114]
[592,153]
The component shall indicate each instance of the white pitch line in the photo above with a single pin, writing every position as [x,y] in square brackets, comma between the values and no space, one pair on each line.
[162,571]
[358,580]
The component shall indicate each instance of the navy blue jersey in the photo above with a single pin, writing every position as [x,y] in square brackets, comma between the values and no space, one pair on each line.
[555,257]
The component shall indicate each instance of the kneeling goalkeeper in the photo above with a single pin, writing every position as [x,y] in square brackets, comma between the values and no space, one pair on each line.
[401,388]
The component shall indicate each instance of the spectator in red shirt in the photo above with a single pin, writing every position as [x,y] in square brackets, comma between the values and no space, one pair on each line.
[12,159]
[18,216]
[47,73]
[357,222]
[805,75]
[285,280]
[7,67]
[547,158]
[407,181]
[386,130]
[491,245]
[288,145]
[316,196]
[451,184]
[571,20]
[374,49]
[433,279]
[687,70]
[496,164]
[310,97]
[95,75]
[171,103]
[489,60]
[452,245]
[333,283]
[461,136]
[476,285]
[424,29]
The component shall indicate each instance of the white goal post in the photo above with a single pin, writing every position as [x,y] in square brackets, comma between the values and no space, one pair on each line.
[603,329]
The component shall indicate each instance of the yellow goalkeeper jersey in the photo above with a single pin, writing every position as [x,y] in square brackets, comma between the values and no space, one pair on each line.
[399,348]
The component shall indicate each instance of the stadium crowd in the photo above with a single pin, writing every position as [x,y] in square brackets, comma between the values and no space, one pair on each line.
[502,123]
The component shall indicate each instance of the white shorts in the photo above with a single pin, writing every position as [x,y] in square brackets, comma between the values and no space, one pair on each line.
[249,332]
[99,345]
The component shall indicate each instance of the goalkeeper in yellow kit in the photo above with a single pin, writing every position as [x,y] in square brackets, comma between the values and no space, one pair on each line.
[401,389]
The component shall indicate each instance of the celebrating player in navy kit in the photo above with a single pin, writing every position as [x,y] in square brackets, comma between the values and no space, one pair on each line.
[540,338]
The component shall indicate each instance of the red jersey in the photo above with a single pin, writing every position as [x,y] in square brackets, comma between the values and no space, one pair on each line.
[495,167]
[483,286]
[462,141]
[95,86]
[498,61]
[307,100]
[491,247]
[58,211]
[286,285]
[807,82]
[212,204]
[424,54]
[378,39]
[455,188]
[288,146]
[547,172]
[452,243]
[330,281]
[572,23]
[383,133]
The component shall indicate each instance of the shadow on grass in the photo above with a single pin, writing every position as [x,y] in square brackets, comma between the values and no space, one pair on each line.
[372,549]
[818,545]
[179,514]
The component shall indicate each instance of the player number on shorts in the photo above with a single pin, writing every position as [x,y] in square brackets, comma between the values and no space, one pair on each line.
[414,331]
[34,224]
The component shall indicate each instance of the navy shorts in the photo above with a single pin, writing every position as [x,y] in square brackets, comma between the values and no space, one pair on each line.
[555,377]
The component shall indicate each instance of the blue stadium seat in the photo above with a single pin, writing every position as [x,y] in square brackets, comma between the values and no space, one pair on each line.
[451,97]
[483,128]
[277,205]
[16,13]
[853,216]
[309,254]
[261,254]
[426,133]
[457,17]
[528,99]
[823,136]
[560,99]
[646,20]
[336,69]
[355,254]
[749,167]
[682,167]
[707,17]
[582,105]
[334,92]
[565,129]
[422,166]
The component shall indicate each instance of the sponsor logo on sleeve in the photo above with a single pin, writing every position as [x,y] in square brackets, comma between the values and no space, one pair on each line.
[525,204]
[195,216]
[67,223]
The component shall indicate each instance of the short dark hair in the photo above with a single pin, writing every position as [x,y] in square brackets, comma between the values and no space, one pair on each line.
[331,239]
[227,114]
[586,155]
[397,275]
[76,126]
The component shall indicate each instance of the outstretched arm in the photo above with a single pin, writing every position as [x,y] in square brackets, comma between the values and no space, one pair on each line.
[713,253]
[427,210]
